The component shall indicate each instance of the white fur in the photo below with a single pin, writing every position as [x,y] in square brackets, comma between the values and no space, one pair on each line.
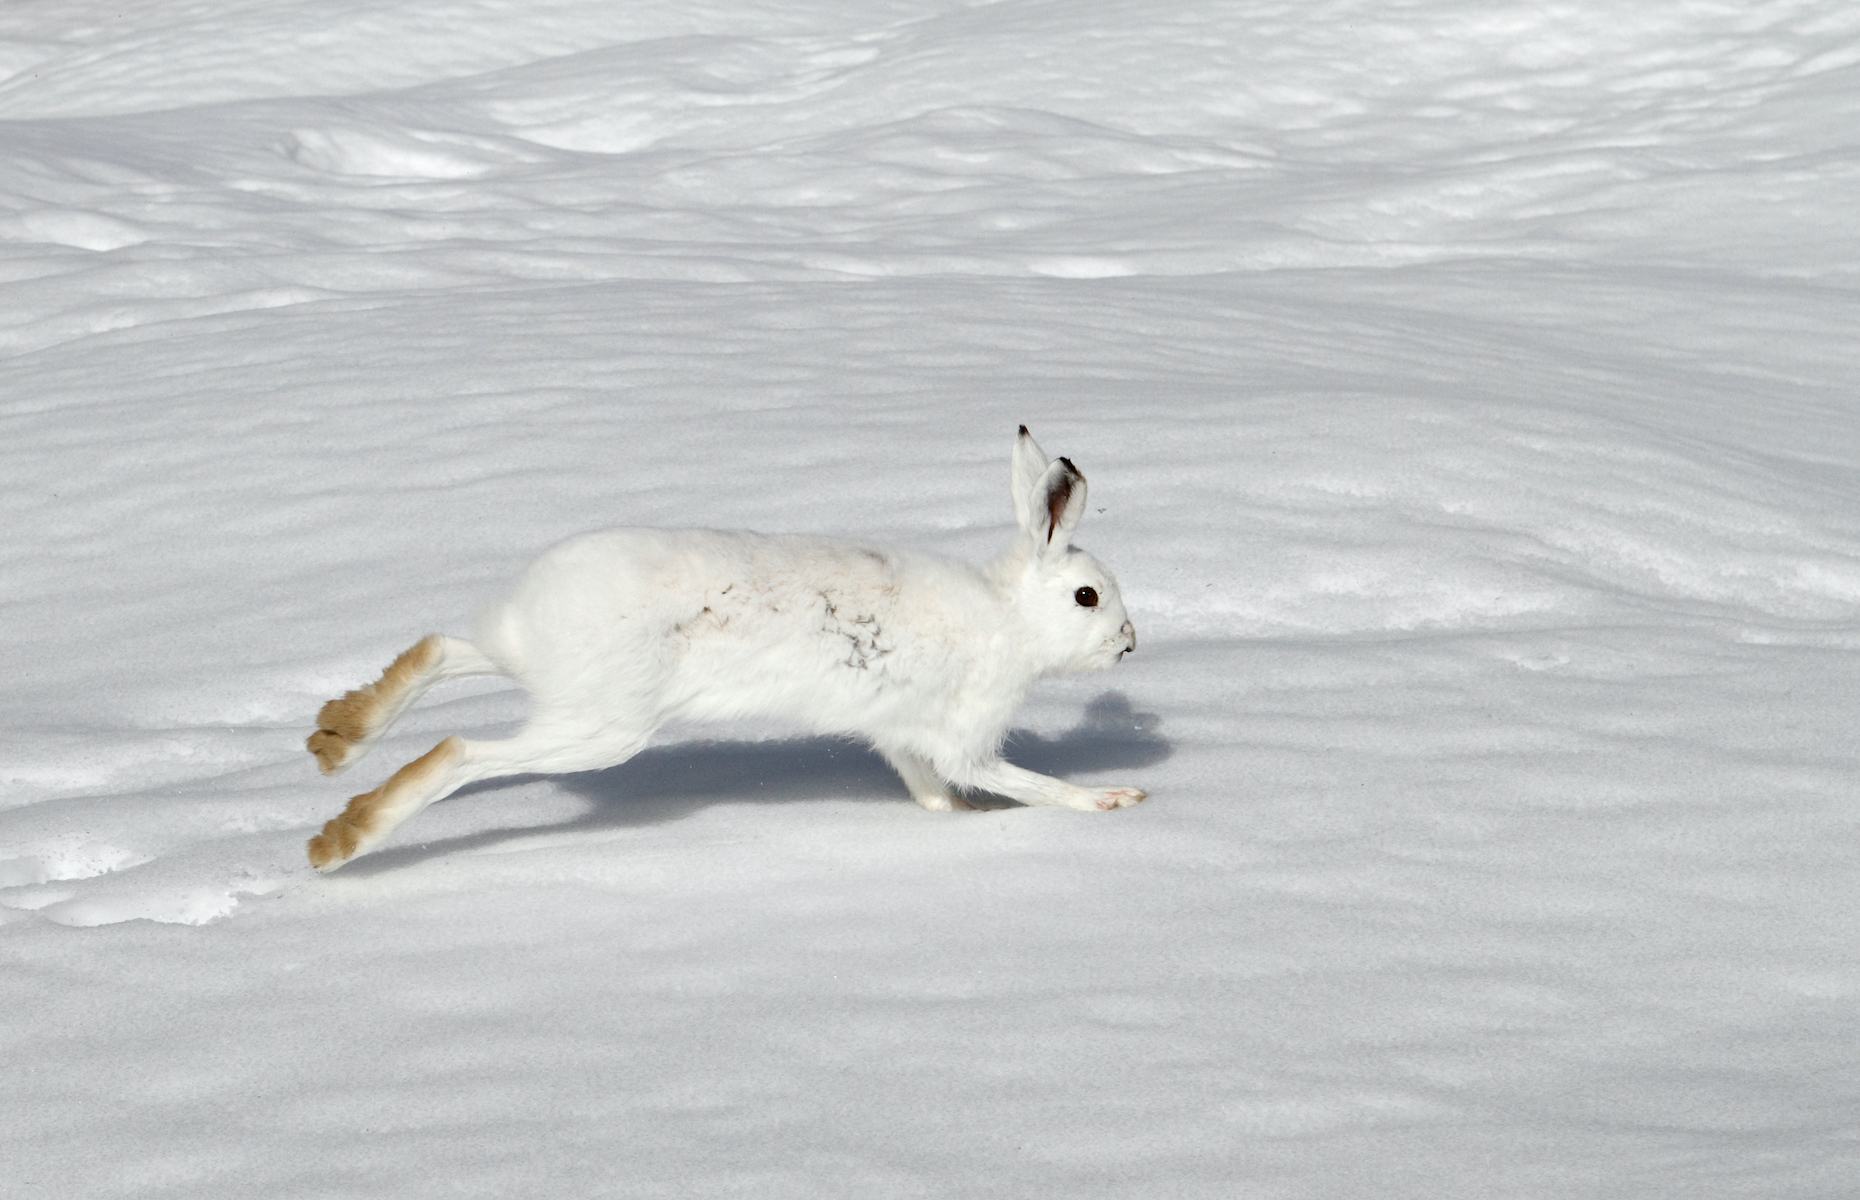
[615,633]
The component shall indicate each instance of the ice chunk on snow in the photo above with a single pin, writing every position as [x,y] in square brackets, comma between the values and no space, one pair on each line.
[63,859]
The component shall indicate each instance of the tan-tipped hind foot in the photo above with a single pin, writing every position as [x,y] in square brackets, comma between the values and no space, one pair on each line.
[371,816]
[348,726]
[338,842]
[333,751]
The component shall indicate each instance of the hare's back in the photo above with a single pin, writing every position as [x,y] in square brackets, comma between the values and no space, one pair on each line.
[627,591]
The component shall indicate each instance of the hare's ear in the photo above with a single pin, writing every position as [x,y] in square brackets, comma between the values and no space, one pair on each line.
[1058,503]
[1029,465]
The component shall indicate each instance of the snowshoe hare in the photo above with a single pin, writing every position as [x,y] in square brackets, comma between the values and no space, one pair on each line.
[615,633]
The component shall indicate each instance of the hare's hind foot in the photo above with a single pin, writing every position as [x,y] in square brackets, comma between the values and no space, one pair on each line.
[348,726]
[371,816]
[333,752]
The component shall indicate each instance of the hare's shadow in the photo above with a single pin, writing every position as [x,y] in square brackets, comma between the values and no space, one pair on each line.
[663,783]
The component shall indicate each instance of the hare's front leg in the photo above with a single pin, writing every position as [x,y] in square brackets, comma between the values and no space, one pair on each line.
[926,786]
[1030,787]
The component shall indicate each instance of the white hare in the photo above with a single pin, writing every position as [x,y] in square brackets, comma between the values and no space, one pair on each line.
[615,633]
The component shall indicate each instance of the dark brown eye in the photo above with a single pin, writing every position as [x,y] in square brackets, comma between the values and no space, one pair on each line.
[1087,597]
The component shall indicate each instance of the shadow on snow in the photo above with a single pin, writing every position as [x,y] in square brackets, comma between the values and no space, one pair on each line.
[663,783]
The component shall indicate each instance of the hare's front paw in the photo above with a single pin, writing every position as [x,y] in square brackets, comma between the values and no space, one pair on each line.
[1109,798]
[944,802]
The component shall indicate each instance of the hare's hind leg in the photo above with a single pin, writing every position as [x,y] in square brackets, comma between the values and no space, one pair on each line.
[371,816]
[543,747]
[348,726]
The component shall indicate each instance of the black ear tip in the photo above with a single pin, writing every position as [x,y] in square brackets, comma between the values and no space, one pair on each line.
[1023,431]
[1070,469]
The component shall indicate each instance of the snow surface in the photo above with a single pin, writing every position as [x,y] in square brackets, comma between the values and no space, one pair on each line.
[1469,397]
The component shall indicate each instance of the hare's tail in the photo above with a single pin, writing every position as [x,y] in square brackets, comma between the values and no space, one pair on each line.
[346,728]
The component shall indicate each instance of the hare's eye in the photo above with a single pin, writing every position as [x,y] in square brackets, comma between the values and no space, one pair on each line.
[1087,597]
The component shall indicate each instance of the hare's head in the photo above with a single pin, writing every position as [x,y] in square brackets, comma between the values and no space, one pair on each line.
[1067,601]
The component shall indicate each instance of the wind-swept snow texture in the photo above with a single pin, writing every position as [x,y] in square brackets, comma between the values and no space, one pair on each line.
[1468,394]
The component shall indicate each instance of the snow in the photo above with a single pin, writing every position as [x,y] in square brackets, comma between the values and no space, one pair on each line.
[1468,394]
